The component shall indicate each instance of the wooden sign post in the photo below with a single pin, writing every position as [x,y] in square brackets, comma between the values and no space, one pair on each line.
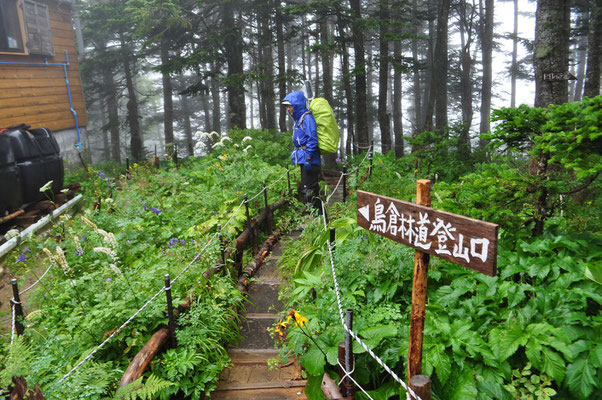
[461,240]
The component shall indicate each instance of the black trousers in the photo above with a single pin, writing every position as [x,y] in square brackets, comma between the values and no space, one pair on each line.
[310,189]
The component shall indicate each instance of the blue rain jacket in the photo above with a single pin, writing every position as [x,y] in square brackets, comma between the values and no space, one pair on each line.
[305,137]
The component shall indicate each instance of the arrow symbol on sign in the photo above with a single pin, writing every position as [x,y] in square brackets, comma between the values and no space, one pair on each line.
[365,211]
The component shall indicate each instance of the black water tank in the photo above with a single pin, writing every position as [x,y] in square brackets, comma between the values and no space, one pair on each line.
[37,159]
[10,194]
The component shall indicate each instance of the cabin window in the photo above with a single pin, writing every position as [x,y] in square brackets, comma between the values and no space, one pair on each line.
[37,26]
[25,28]
[11,38]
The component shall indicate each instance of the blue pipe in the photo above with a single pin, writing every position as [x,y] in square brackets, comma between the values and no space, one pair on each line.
[65,65]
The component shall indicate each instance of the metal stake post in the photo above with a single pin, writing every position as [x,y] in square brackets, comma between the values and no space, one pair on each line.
[288,177]
[349,353]
[344,184]
[371,156]
[268,227]
[221,244]
[172,321]
[16,300]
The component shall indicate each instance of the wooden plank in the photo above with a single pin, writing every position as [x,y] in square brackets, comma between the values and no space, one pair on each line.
[461,240]
[263,394]
[144,357]
[262,385]
[31,72]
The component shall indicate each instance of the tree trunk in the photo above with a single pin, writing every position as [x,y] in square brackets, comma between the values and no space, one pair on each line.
[216,124]
[514,64]
[383,78]
[592,75]
[281,67]
[167,99]
[416,71]
[487,56]
[133,116]
[551,49]
[187,124]
[112,110]
[581,57]
[441,58]
[326,64]
[438,72]
[465,82]
[359,71]
[397,96]
[235,79]
[342,41]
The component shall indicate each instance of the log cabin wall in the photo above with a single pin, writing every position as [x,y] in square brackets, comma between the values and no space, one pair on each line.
[37,94]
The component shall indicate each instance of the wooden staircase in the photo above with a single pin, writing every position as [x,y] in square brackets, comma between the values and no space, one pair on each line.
[251,377]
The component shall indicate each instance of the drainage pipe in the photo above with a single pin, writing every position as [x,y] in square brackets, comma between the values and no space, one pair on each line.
[64,65]
[30,230]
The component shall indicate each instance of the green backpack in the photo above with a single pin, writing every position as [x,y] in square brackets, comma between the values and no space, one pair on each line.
[328,130]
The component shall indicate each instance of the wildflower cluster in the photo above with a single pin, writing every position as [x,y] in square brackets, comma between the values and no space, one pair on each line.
[175,241]
[294,315]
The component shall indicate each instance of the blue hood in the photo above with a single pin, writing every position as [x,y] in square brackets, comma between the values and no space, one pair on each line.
[299,103]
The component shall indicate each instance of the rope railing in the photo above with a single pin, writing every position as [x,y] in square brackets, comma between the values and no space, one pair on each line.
[346,328]
[131,318]
[343,174]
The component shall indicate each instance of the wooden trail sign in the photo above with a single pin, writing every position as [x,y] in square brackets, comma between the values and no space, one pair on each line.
[461,240]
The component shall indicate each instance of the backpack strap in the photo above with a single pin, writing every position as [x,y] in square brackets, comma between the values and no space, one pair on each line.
[302,118]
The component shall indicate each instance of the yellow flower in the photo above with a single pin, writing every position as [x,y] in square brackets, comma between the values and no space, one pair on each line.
[220,166]
[299,319]
[279,326]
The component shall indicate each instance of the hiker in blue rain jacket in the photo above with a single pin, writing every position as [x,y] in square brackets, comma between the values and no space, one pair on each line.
[306,153]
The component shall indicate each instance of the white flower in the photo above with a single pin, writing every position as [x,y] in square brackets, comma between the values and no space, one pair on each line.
[246,138]
[247,148]
[225,138]
[64,191]
[216,145]
[115,269]
[198,145]
[214,133]
[205,135]
[106,251]
[60,258]
[46,187]
[237,146]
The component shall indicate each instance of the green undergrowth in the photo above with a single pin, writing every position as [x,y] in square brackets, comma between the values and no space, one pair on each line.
[108,260]
[532,331]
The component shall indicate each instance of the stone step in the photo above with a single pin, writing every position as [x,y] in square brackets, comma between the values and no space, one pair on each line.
[255,330]
[263,297]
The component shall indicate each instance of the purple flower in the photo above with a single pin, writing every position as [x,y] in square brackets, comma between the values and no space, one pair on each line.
[192,241]
[102,175]
[168,244]
[108,280]
[85,238]
[27,251]
[182,241]
[21,258]
[156,210]
[173,241]
[79,253]
[145,207]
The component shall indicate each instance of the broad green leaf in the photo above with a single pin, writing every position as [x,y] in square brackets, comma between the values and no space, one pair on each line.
[553,364]
[580,377]
[440,361]
[594,272]
[491,390]
[313,361]
[510,340]
[461,385]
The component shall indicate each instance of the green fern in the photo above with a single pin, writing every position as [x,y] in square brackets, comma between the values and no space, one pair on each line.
[16,362]
[147,391]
